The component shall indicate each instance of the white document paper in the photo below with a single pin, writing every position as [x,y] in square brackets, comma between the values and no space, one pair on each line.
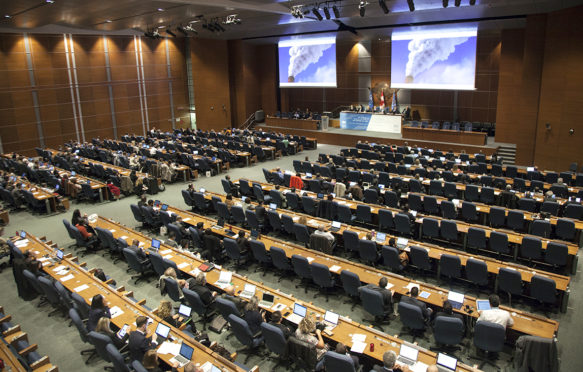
[310,259]
[186,219]
[59,268]
[389,285]
[115,311]
[124,237]
[168,256]
[278,306]
[335,268]
[112,230]
[183,265]
[358,347]
[358,337]
[68,277]
[418,367]
[169,348]
[81,288]
[166,251]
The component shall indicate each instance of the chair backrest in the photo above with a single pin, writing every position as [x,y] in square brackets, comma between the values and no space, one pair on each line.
[338,362]
[469,211]
[78,322]
[133,260]
[119,364]
[497,217]
[226,307]
[350,240]
[372,301]
[194,301]
[279,258]
[565,229]
[241,330]
[574,211]
[301,266]
[402,223]
[259,252]
[350,282]
[477,271]
[448,330]
[556,254]
[302,352]
[232,249]
[531,248]
[157,263]
[430,227]
[274,339]
[172,288]
[476,238]
[450,266]
[138,367]
[33,281]
[49,290]
[385,219]
[321,275]
[367,250]
[80,305]
[543,289]
[510,281]
[515,220]
[499,242]
[302,234]
[489,336]
[419,258]
[411,316]
[100,341]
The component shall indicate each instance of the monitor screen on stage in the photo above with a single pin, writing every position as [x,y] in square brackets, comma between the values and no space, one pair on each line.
[434,59]
[307,62]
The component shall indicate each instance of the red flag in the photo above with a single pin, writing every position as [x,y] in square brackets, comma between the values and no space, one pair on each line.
[382,100]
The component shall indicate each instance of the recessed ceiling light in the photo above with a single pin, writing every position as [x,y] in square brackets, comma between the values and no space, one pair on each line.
[7,16]
[160,9]
[108,21]
[161,26]
[49,1]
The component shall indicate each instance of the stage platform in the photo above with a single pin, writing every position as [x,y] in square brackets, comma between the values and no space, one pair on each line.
[346,137]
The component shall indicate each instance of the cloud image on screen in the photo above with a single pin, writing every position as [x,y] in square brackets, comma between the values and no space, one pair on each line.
[444,60]
[307,62]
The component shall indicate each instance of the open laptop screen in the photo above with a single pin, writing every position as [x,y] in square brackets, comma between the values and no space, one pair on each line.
[186,351]
[184,310]
[446,361]
[162,330]
[408,352]
[155,243]
[59,254]
[300,310]
[331,317]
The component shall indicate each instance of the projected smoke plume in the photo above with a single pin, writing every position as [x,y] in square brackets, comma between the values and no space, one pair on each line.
[307,62]
[437,60]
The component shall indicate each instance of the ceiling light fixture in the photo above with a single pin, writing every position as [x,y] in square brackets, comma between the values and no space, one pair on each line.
[49,1]
[296,11]
[169,32]
[362,7]
[232,20]
[316,13]
[7,16]
[412,5]
[160,9]
[327,12]
[383,6]
[335,11]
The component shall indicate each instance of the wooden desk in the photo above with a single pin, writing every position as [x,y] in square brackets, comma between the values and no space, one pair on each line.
[308,124]
[10,360]
[187,262]
[525,323]
[444,135]
[39,194]
[381,149]
[130,309]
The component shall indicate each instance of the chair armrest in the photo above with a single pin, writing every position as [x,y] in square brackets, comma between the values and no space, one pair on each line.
[91,271]
[6,318]
[142,302]
[109,281]
[12,330]
[121,289]
[28,349]
[41,362]
[17,337]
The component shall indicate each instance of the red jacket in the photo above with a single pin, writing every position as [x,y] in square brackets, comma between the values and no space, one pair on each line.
[296,182]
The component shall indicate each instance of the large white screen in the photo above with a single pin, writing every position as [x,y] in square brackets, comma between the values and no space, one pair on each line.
[307,62]
[442,59]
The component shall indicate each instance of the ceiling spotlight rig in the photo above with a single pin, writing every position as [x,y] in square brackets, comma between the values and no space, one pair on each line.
[232,20]
[329,8]
[153,34]
[297,11]
[362,7]
[186,30]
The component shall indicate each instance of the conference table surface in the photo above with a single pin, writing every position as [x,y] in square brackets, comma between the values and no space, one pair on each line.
[77,279]
[188,263]
[434,251]
[389,147]
[525,323]
[38,193]
[309,124]
[472,176]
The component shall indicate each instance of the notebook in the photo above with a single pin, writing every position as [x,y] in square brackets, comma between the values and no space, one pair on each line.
[298,314]
[184,356]
[408,355]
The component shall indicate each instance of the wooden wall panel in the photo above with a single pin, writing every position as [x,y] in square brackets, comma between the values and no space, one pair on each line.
[210,75]
[561,93]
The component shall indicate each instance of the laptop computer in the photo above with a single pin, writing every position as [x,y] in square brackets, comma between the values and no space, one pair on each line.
[456,299]
[320,196]
[380,237]
[309,175]
[155,245]
[254,234]
[162,330]
[22,234]
[267,300]
[273,206]
[408,355]
[164,207]
[335,226]
[185,311]
[483,305]
[248,291]
[184,356]
[402,243]
[73,173]
[445,363]
[330,320]
[298,314]
[225,278]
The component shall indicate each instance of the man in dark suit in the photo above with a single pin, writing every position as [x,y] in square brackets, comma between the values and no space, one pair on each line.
[198,285]
[276,321]
[448,312]
[213,246]
[508,198]
[234,188]
[386,293]
[414,301]
[138,342]
[135,247]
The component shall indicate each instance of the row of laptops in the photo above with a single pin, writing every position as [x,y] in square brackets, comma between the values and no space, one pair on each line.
[408,355]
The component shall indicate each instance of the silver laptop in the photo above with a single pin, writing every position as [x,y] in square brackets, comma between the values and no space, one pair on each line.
[267,300]
[298,314]
[330,320]
[445,363]
[408,355]
[184,357]
[248,291]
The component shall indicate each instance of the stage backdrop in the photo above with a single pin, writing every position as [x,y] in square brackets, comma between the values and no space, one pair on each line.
[370,122]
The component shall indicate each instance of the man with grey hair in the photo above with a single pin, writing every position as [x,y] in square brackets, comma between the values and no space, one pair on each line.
[198,285]
[322,232]
[390,363]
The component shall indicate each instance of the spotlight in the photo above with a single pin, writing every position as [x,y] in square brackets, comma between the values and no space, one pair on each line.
[445,3]
[458,2]
[7,16]
[296,11]
[317,14]
[218,27]
[232,19]
[169,32]
[336,11]
[327,12]
[160,9]
[182,30]
[49,1]
[472,2]
[411,5]
[186,29]
[362,7]
[383,6]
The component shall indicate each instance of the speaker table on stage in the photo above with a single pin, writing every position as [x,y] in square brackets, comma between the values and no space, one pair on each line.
[368,121]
